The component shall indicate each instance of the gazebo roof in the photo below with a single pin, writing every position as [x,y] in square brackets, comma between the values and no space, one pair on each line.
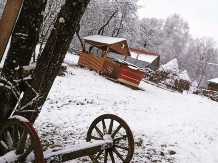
[104,39]
[117,45]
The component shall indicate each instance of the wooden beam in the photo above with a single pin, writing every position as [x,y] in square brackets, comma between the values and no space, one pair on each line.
[8,19]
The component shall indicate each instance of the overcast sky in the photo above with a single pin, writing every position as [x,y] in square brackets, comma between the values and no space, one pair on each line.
[202,15]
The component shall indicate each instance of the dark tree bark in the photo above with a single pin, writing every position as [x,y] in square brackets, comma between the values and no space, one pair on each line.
[23,42]
[24,37]
[52,57]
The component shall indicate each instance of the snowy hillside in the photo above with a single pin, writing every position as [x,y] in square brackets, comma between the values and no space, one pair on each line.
[167,126]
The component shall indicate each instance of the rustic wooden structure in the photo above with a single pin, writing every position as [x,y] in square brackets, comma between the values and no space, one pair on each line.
[95,50]
[152,59]
[212,90]
[94,55]
[213,84]
[130,75]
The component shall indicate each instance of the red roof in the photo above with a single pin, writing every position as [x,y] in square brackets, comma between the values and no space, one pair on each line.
[142,52]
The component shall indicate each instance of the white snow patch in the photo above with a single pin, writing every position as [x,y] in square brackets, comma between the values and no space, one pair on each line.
[104,39]
[9,157]
[29,67]
[19,118]
[143,57]
[61,20]
[184,76]
[107,137]
[215,80]
[170,67]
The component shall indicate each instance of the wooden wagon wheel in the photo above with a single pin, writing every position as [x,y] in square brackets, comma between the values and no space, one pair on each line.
[123,142]
[19,142]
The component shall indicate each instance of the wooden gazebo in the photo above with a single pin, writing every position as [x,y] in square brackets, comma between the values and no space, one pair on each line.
[95,52]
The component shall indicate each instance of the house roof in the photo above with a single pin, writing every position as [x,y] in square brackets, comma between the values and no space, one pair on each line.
[215,80]
[143,55]
[104,39]
[129,60]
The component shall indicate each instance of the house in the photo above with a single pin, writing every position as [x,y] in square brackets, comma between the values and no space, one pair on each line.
[213,84]
[212,90]
[148,59]
[139,58]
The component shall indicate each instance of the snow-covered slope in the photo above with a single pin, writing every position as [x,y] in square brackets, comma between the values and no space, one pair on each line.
[167,126]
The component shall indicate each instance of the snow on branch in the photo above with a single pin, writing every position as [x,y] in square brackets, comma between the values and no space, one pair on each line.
[34,100]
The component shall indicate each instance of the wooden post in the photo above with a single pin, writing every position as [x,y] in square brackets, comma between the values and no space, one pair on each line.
[7,22]
[105,55]
[83,48]
[136,59]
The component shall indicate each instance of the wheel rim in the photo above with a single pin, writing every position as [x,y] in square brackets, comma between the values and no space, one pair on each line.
[19,139]
[123,142]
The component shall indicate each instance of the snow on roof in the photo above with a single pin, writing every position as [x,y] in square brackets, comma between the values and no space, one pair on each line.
[104,39]
[170,67]
[184,76]
[143,55]
[215,80]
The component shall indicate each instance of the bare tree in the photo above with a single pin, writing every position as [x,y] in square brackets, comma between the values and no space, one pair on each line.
[200,58]
[108,17]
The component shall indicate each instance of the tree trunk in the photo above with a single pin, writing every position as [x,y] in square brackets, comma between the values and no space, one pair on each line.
[24,37]
[23,42]
[52,57]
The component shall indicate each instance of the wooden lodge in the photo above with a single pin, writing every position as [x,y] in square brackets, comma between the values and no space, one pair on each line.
[213,84]
[146,59]
[95,53]
[212,90]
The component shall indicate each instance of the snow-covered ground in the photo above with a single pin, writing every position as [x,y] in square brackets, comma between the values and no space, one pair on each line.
[167,126]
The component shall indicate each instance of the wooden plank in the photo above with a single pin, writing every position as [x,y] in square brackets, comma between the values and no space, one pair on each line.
[91,61]
[7,22]
[130,76]
[76,151]
[111,68]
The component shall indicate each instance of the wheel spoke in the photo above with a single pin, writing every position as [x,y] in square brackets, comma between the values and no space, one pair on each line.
[9,140]
[104,127]
[118,154]
[95,138]
[111,126]
[115,132]
[120,138]
[26,153]
[99,131]
[5,138]
[112,156]
[99,154]
[15,136]
[3,147]
[125,148]
[94,159]
[22,142]
[105,156]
